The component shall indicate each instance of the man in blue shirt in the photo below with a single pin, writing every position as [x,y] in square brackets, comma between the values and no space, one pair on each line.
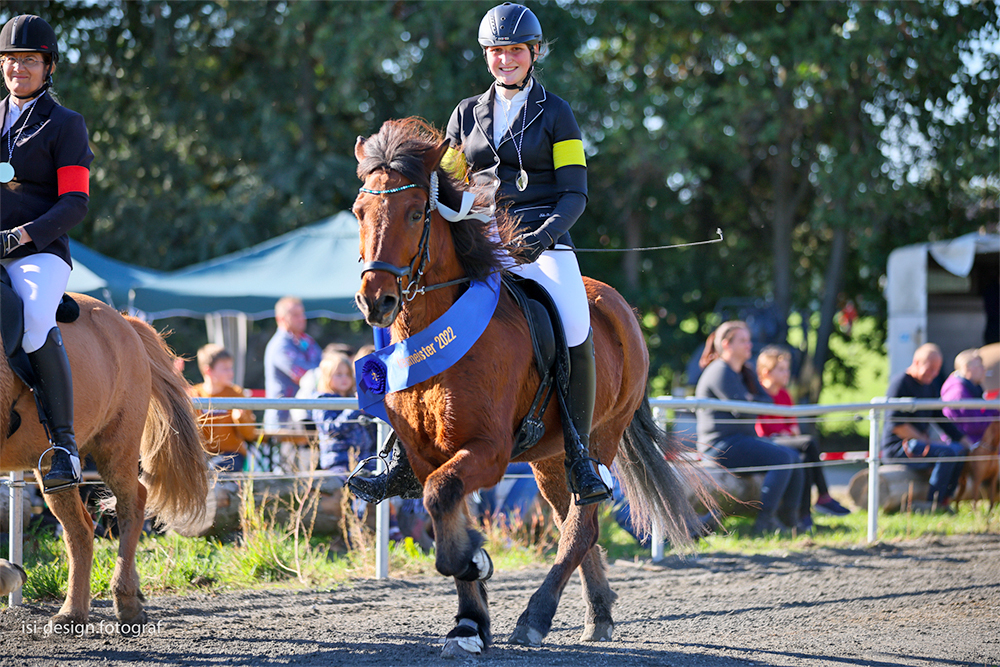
[288,355]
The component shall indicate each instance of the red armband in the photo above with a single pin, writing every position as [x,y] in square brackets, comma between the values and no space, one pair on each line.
[73,178]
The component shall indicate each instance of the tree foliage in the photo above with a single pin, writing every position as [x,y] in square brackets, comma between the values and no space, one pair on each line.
[817,135]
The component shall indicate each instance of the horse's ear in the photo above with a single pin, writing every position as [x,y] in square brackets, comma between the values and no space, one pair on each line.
[359,148]
[432,158]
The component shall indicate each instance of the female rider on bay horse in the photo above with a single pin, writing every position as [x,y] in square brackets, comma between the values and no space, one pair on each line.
[44,191]
[524,143]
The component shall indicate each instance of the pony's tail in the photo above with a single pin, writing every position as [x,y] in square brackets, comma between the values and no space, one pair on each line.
[174,463]
[656,485]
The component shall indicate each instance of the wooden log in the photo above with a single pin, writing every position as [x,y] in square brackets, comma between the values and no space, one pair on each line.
[222,513]
[899,486]
[735,494]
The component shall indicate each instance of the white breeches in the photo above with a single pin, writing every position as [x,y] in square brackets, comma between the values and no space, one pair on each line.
[559,273]
[40,281]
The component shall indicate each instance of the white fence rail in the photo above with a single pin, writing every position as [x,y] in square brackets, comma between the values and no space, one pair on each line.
[875,411]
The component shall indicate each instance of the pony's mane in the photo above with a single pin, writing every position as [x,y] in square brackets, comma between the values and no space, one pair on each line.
[400,146]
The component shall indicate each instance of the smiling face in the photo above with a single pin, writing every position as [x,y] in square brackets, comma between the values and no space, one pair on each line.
[20,78]
[509,64]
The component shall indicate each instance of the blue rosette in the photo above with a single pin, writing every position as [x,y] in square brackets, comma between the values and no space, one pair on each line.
[373,376]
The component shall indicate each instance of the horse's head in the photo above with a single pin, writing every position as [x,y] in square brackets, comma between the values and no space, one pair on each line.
[421,229]
[394,214]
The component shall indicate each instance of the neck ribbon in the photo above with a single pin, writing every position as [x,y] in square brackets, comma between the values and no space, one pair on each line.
[401,365]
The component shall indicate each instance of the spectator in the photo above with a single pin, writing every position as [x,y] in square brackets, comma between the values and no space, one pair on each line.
[341,432]
[288,355]
[966,382]
[309,382]
[907,435]
[731,441]
[226,432]
[774,369]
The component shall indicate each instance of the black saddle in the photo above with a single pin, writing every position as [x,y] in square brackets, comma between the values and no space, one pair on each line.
[12,331]
[548,343]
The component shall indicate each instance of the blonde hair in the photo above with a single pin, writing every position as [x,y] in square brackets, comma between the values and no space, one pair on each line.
[211,354]
[770,356]
[964,358]
[328,367]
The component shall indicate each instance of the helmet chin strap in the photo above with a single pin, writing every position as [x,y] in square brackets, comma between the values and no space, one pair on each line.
[518,86]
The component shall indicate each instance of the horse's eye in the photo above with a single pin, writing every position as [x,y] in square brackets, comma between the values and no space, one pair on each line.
[416,215]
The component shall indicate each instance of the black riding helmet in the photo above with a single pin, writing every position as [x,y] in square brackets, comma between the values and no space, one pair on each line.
[508,24]
[32,34]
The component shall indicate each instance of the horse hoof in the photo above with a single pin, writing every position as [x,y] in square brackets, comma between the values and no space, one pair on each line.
[526,636]
[462,647]
[597,632]
[133,627]
[68,624]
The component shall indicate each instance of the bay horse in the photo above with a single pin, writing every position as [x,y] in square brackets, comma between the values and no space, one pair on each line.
[458,427]
[133,417]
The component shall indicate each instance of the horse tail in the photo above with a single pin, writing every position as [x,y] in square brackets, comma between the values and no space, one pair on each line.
[174,464]
[655,484]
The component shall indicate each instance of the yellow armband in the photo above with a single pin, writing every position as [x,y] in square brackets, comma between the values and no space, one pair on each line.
[568,153]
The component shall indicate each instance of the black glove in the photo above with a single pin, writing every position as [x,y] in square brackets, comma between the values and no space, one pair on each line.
[531,245]
[11,240]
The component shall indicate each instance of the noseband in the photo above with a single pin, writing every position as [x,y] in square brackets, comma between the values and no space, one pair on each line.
[412,289]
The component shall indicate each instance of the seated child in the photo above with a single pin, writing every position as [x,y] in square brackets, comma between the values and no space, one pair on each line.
[226,432]
[340,431]
[774,370]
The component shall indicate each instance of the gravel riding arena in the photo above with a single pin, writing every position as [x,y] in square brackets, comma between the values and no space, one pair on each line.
[926,602]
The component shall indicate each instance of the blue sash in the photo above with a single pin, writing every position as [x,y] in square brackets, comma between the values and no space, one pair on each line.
[423,355]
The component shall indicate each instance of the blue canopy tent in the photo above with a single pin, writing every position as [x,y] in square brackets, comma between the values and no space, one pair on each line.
[318,264]
[104,278]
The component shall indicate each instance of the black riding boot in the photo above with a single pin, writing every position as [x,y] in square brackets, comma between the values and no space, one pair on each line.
[397,480]
[55,393]
[583,478]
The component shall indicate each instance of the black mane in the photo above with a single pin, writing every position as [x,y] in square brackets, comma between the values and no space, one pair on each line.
[400,146]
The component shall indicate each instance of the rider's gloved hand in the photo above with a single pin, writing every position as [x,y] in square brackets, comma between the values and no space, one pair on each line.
[10,240]
[532,244]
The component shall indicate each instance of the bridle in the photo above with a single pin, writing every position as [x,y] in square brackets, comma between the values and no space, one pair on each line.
[423,254]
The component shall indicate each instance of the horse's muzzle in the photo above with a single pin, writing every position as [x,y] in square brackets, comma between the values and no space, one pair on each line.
[380,311]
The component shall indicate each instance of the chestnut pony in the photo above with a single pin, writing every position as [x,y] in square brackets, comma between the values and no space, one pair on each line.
[132,416]
[458,426]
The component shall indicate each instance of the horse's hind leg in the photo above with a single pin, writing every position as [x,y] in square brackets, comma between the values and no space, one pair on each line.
[121,476]
[78,533]
[597,594]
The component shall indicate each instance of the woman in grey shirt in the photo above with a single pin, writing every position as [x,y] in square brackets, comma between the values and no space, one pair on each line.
[731,441]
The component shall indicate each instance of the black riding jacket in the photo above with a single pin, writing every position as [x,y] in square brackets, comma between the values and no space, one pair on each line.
[51,187]
[551,153]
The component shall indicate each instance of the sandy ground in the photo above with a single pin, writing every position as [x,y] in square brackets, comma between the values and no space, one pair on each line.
[926,602]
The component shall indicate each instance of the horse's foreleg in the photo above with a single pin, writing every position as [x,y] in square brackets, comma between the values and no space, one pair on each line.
[78,533]
[457,541]
[459,545]
[578,535]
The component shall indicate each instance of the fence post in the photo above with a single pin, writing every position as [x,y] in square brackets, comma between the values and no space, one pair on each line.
[15,507]
[874,452]
[382,517]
